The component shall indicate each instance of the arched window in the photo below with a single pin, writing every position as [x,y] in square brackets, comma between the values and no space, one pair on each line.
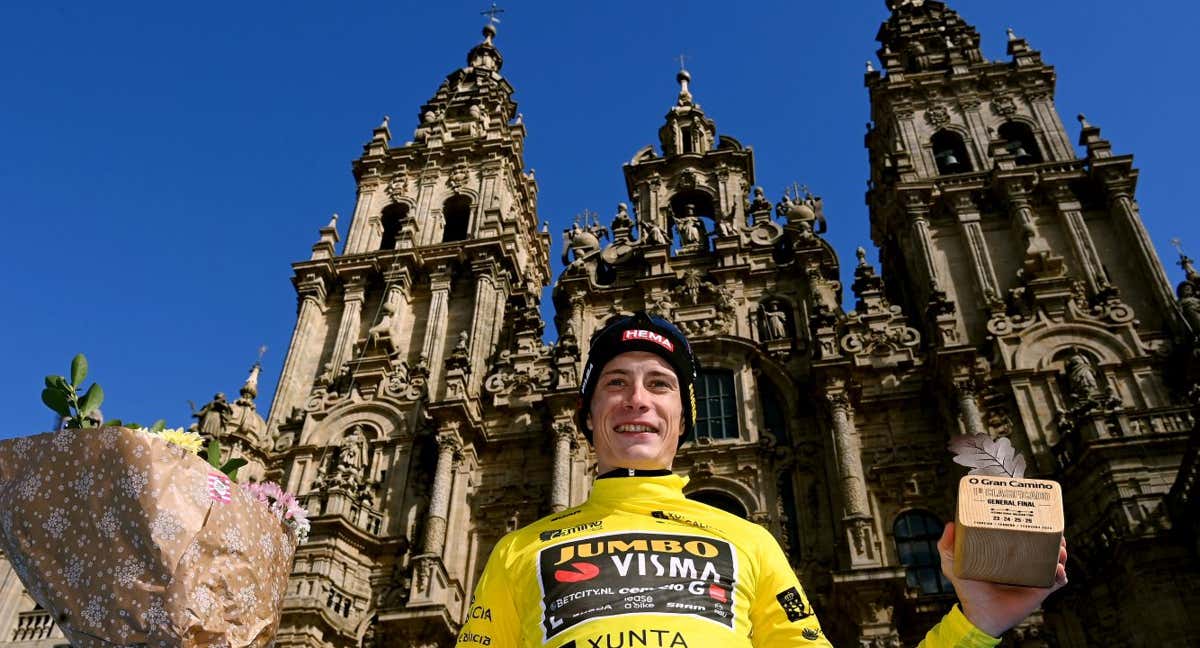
[950,153]
[1019,141]
[391,218]
[774,416]
[721,500]
[716,405]
[917,534]
[457,213]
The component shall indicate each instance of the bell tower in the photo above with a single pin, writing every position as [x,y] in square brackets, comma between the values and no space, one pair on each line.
[1047,312]
[378,423]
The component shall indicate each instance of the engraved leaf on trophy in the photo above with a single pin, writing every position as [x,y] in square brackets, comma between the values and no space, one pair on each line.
[987,456]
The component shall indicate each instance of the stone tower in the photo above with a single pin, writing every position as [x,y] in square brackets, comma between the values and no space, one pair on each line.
[381,421]
[1048,315]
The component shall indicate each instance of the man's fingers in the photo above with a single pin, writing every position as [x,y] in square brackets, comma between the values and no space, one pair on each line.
[946,543]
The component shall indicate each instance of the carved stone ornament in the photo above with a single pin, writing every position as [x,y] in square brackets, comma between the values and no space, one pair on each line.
[1004,106]
[402,384]
[397,186]
[937,116]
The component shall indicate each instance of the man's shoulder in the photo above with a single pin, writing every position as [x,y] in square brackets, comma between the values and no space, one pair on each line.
[554,525]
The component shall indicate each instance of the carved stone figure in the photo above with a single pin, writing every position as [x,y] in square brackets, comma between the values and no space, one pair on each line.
[579,241]
[650,233]
[384,328]
[1081,376]
[773,322]
[760,202]
[214,416]
[727,224]
[691,229]
[1189,303]
[622,218]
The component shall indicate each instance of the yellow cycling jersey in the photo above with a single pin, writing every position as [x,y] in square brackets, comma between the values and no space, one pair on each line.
[638,565]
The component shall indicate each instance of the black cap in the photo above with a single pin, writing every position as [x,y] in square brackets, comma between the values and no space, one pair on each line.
[640,332]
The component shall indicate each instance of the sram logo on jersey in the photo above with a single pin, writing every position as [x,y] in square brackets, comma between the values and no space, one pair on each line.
[642,334]
[636,573]
[558,533]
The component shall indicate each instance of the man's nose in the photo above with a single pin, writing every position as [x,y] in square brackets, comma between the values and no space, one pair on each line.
[636,397]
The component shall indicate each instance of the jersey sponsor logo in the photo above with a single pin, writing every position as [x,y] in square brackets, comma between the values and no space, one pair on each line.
[642,334]
[480,612]
[636,573]
[469,637]
[812,634]
[577,573]
[648,637]
[558,533]
[677,518]
[793,605]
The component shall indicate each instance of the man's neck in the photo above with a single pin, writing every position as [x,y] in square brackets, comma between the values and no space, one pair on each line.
[634,472]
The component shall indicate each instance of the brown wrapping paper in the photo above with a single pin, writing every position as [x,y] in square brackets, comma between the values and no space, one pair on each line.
[119,535]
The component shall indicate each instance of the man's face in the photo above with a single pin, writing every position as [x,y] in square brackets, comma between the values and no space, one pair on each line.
[636,414]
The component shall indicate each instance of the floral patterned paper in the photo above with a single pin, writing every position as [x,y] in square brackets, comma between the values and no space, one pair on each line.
[122,537]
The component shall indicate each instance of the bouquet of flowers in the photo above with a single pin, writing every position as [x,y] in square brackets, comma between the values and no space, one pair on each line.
[126,535]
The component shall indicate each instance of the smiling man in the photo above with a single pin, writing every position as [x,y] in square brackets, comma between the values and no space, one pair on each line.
[638,564]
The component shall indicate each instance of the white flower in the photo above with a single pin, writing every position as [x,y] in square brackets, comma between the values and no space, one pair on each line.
[128,572]
[30,486]
[234,540]
[93,612]
[84,483]
[56,524]
[108,523]
[134,482]
[166,527]
[74,572]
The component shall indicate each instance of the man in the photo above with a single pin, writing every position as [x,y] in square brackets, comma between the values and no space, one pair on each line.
[638,564]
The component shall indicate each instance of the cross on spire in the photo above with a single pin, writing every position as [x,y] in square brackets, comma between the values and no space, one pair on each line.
[681,63]
[491,13]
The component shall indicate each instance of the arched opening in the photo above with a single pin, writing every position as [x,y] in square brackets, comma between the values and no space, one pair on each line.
[1019,141]
[690,209]
[392,217]
[456,212]
[716,405]
[720,500]
[685,136]
[950,152]
[774,415]
[917,534]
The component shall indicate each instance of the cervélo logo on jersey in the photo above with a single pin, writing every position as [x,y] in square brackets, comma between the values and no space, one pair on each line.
[643,334]
[640,572]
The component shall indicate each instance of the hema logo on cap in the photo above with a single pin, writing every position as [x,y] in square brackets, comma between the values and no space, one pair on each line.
[642,334]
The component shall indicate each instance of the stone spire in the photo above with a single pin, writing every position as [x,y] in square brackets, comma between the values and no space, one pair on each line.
[687,129]
[926,36]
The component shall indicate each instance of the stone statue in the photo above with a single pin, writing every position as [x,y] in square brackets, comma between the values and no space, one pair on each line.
[579,241]
[774,322]
[727,224]
[214,416]
[1081,376]
[861,253]
[384,328]
[691,230]
[622,218]
[650,233]
[461,346]
[1189,303]
[760,202]
[351,456]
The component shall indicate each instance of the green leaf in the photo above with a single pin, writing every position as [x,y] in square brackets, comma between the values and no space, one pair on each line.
[214,454]
[91,400]
[159,426]
[114,423]
[230,468]
[56,401]
[133,426]
[78,370]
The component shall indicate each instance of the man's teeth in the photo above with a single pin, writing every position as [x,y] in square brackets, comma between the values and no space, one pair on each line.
[634,428]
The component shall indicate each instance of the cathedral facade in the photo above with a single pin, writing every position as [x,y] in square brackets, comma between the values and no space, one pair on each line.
[420,415]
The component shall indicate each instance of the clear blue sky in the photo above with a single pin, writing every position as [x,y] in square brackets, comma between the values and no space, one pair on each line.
[163,163]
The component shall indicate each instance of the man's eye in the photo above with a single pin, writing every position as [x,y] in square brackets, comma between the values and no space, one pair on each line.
[615,382]
[660,384]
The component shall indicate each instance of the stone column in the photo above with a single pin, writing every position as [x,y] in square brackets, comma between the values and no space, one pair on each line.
[560,485]
[918,214]
[437,324]
[358,239]
[485,320]
[399,283]
[856,518]
[1129,224]
[968,407]
[348,330]
[981,260]
[1024,225]
[850,470]
[1071,211]
[449,451]
[303,354]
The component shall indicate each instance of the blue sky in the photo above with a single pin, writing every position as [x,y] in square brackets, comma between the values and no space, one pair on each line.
[164,163]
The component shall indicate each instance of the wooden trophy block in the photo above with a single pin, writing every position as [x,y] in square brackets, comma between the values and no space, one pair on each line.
[1008,530]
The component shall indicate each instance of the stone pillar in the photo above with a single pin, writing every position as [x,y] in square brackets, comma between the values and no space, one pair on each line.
[437,324]
[302,354]
[918,215]
[348,330]
[358,239]
[977,248]
[968,408]
[399,283]
[856,518]
[1131,230]
[560,485]
[485,320]
[1071,211]
[449,451]
[1024,225]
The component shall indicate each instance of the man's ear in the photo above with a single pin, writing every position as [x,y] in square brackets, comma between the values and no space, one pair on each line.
[587,421]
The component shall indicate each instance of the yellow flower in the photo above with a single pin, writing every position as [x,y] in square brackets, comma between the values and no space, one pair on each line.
[189,441]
